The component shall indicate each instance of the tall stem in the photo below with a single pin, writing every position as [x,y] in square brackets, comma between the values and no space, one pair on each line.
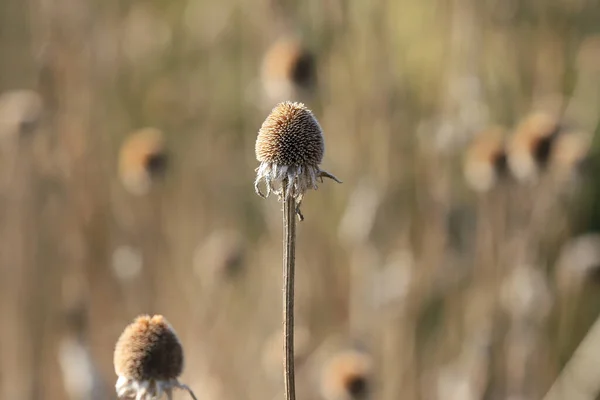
[289,262]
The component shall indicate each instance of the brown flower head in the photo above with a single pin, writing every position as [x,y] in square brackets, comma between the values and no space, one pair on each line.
[142,159]
[570,151]
[287,68]
[347,376]
[485,160]
[530,147]
[290,147]
[20,112]
[148,359]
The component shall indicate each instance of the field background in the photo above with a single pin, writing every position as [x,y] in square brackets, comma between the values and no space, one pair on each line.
[402,261]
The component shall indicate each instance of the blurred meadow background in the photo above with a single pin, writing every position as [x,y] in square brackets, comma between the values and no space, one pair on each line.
[458,260]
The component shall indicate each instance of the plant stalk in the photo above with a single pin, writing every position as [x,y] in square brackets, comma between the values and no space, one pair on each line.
[289,263]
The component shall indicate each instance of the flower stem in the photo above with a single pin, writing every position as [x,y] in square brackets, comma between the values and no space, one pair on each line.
[289,261]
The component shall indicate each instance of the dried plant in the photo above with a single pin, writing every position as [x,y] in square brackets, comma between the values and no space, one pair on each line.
[290,147]
[148,360]
[142,158]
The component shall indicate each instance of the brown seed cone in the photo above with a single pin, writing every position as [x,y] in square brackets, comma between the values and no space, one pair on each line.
[148,349]
[346,376]
[485,160]
[530,147]
[142,158]
[290,136]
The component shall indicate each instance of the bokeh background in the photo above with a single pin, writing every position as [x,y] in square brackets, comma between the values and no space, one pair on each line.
[127,163]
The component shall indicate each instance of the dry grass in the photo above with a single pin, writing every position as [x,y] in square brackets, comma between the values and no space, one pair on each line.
[453,293]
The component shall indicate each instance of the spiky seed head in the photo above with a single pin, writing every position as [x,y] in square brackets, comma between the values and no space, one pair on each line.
[347,376]
[530,146]
[290,136]
[485,160]
[149,349]
[290,147]
[142,159]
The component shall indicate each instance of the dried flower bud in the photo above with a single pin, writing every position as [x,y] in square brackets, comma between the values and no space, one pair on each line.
[531,145]
[579,260]
[20,112]
[290,147]
[485,160]
[287,68]
[142,159]
[148,359]
[347,376]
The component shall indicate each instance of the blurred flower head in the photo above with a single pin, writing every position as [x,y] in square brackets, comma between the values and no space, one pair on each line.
[220,257]
[347,375]
[530,147]
[148,359]
[273,350]
[579,259]
[288,68]
[142,159]
[525,294]
[20,112]
[485,160]
[570,150]
[290,147]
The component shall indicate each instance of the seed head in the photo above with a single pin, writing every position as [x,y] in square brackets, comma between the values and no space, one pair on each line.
[485,160]
[142,159]
[290,147]
[20,112]
[287,69]
[531,145]
[347,376]
[148,359]
[579,259]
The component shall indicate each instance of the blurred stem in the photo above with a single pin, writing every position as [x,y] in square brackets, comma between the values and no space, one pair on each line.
[289,261]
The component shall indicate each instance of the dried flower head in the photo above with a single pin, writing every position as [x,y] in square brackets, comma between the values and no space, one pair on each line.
[531,145]
[20,112]
[142,159]
[525,294]
[287,67]
[273,350]
[290,147]
[148,359]
[347,376]
[579,260]
[485,160]
[569,152]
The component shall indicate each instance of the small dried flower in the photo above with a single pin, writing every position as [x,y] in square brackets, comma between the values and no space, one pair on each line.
[485,160]
[148,359]
[273,350]
[287,68]
[525,294]
[579,259]
[570,152]
[20,112]
[290,147]
[347,376]
[142,158]
[530,147]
